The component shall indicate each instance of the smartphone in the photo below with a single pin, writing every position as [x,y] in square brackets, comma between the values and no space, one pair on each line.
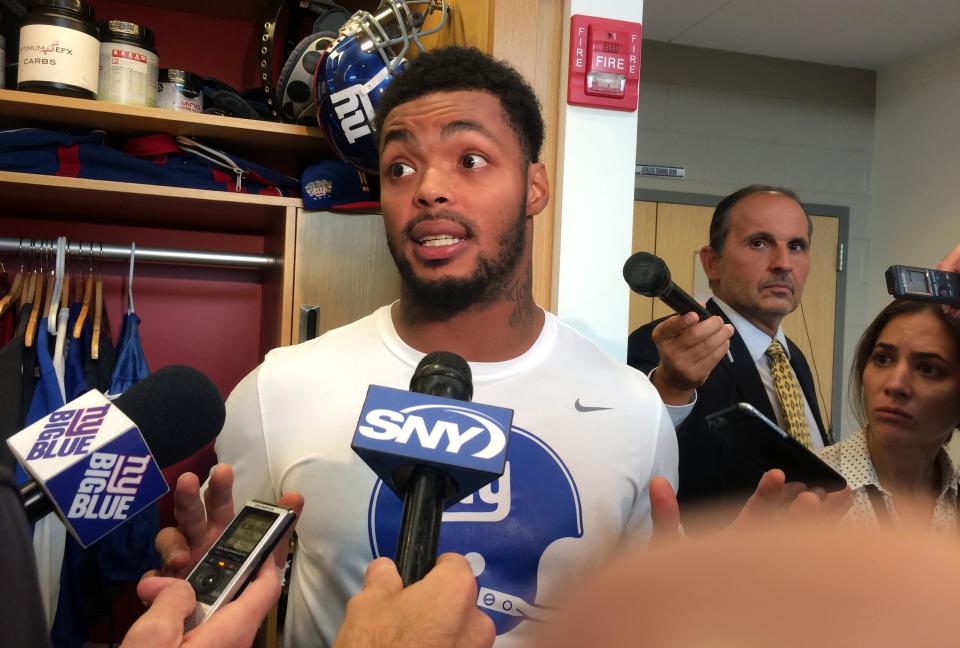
[924,284]
[761,441]
[236,556]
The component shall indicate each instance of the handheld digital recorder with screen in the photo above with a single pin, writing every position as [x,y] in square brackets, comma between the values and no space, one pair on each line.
[923,284]
[236,556]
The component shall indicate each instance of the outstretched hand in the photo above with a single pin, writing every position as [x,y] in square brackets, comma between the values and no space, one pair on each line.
[951,263]
[200,523]
[773,498]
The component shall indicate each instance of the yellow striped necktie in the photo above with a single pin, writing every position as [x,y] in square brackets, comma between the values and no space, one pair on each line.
[789,393]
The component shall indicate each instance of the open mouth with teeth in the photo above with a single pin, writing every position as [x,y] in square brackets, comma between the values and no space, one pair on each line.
[439,240]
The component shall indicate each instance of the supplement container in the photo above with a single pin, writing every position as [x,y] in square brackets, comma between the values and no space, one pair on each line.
[59,49]
[128,64]
[179,90]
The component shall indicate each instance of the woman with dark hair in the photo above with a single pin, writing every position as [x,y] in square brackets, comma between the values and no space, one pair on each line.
[905,390]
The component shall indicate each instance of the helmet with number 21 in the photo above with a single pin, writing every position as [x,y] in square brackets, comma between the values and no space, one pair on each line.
[370,49]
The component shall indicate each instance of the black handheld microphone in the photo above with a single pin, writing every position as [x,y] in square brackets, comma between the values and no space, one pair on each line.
[178,411]
[648,275]
[447,375]
[432,447]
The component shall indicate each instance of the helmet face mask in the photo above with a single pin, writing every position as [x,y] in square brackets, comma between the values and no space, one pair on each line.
[395,25]
[370,49]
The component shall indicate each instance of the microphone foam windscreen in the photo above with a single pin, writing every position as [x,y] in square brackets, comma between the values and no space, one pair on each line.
[443,373]
[178,410]
[646,274]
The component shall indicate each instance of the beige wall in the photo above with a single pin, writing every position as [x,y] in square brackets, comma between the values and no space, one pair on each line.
[917,173]
[917,190]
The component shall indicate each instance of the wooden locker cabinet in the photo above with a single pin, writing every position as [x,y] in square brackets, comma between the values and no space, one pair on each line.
[219,39]
[41,206]
[192,35]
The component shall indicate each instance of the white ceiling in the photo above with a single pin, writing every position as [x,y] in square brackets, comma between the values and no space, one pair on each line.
[856,33]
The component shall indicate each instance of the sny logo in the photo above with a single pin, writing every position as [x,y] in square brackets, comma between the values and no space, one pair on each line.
[68,432]
[431,424]
[108,487]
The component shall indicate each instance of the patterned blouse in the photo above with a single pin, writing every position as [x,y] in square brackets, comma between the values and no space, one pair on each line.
[851,458]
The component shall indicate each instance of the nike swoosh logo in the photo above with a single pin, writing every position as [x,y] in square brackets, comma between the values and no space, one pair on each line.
[585,408]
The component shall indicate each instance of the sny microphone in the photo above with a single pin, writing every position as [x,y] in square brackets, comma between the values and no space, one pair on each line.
[648,275]
[431,449]
[97,462]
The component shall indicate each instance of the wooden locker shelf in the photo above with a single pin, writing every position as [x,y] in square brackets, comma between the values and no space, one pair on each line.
[245,10]
[249,138]
[128,202]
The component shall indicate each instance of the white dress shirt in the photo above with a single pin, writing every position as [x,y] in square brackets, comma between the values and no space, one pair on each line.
[757,343]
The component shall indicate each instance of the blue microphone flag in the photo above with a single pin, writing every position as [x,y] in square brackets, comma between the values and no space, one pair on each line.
[466,441]
[93,463]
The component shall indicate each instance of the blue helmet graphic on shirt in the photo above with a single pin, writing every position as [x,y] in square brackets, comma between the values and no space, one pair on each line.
[503,529]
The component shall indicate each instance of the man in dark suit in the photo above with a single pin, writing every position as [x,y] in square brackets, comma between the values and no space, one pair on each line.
[757,263]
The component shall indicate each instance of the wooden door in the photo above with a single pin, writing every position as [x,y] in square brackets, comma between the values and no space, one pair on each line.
[343,266]
[644,238]
[679,233]
[811,326]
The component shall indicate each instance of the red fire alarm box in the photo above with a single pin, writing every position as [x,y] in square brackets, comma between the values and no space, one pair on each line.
[604,63]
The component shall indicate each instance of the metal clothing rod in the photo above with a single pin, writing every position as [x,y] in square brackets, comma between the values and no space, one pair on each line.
[85,250]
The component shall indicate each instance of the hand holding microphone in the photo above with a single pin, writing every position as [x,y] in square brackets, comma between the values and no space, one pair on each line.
[439,611]
[689,346]
[648,275]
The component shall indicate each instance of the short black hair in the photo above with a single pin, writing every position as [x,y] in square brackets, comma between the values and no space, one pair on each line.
[448,69]
[720,223]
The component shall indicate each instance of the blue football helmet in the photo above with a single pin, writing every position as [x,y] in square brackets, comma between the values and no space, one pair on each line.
[503,530]
[371,47]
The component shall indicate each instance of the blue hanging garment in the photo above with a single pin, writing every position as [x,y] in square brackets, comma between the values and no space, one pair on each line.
[131,366]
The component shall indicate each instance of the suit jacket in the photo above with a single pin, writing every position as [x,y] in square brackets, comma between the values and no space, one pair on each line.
[708,469]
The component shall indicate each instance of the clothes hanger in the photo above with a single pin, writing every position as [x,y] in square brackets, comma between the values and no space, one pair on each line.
[54,291]
[29,282]
[87,295]
[17,285]
[3,297]
[48,248]
[60,316]
[97,311]
[65,292]
[13,295]
[133,254]
[37,306]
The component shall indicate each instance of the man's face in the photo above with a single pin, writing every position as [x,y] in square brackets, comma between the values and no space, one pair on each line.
[457,198]
[765,259]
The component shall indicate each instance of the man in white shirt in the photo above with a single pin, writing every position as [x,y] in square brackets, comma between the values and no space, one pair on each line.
[757,263]
[460,136]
